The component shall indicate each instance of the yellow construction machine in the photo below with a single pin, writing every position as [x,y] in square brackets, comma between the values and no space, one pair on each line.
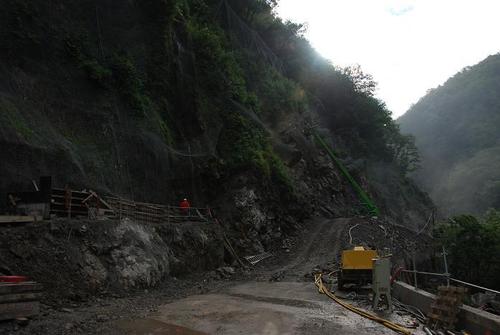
[356,267]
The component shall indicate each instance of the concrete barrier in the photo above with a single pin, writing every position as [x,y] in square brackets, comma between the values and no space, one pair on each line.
[475,321]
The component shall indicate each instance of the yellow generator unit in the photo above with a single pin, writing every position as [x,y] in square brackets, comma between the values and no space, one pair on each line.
[356,267]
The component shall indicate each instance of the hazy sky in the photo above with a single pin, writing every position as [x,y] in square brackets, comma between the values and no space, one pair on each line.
[409,46]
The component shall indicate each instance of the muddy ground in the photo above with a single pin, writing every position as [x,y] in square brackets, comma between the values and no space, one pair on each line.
[315,248]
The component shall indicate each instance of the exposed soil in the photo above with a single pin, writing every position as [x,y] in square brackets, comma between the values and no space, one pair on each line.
[78,259]
[316,247]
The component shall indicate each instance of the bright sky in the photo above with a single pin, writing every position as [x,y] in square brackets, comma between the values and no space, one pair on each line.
[409,46]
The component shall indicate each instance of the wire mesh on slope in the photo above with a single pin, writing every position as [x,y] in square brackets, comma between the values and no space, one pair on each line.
[248,37]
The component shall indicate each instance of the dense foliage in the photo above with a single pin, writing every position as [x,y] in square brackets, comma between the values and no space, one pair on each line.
[473,247]
[301,79]
[456,129]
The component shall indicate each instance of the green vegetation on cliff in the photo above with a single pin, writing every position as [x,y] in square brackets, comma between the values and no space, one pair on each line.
[138,97]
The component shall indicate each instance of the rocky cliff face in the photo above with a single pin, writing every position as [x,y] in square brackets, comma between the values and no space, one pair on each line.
[78,258]
[158,100]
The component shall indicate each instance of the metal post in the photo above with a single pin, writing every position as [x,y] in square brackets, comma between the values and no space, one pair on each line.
[446,268]
[414,270]
[67,200]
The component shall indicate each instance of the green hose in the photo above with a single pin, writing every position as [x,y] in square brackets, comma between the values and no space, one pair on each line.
[365,199]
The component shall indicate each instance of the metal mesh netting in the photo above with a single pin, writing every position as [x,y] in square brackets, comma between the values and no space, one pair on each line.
[86,145]
[246,37]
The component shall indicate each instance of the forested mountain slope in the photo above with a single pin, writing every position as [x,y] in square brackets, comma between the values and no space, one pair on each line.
[457,130]
[155,100]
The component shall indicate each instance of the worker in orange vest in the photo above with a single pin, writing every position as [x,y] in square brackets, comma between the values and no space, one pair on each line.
[185,205]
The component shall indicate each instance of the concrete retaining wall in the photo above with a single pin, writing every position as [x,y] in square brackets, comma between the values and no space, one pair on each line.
[474,320]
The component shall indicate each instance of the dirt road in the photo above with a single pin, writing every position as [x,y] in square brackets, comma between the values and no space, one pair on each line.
[255,308]
[320,246]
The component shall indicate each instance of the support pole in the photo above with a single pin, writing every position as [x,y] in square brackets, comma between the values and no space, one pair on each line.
[414,270]
[446,267]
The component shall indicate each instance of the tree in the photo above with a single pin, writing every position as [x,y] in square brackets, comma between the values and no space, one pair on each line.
[473,247]
[405,152]
[363,82]
[249,9]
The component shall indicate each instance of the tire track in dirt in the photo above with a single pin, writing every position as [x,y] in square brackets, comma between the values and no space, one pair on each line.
[322,245]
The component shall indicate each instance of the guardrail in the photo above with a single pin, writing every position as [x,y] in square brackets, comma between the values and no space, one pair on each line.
[155,213]
[71,203]
[48,201]
[449,278]
[446,274]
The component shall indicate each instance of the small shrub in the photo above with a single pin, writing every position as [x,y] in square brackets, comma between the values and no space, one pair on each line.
[13,117]
[97,73]
[244,145]
[130,84]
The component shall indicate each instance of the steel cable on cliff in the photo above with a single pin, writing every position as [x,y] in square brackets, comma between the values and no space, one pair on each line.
[389,324]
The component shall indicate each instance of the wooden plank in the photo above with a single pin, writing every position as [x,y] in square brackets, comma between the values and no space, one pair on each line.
[153,215]
[444,310]
[106,211]
[97,198]
[20,218]
[144,214]
[117,201]
[11,311]
[58,196]
[142,217]
[20,297]
[77,193]
[73,205]
[114,205]
[79,211]
[29,286]
[72,212]
[145,204]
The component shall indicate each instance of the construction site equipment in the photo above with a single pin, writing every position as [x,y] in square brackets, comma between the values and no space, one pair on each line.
[381,282]
[391,325]
[365,199]
[19,299]
[32,203]
[71,203]
[356,267]
[254,259]
[444,310]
